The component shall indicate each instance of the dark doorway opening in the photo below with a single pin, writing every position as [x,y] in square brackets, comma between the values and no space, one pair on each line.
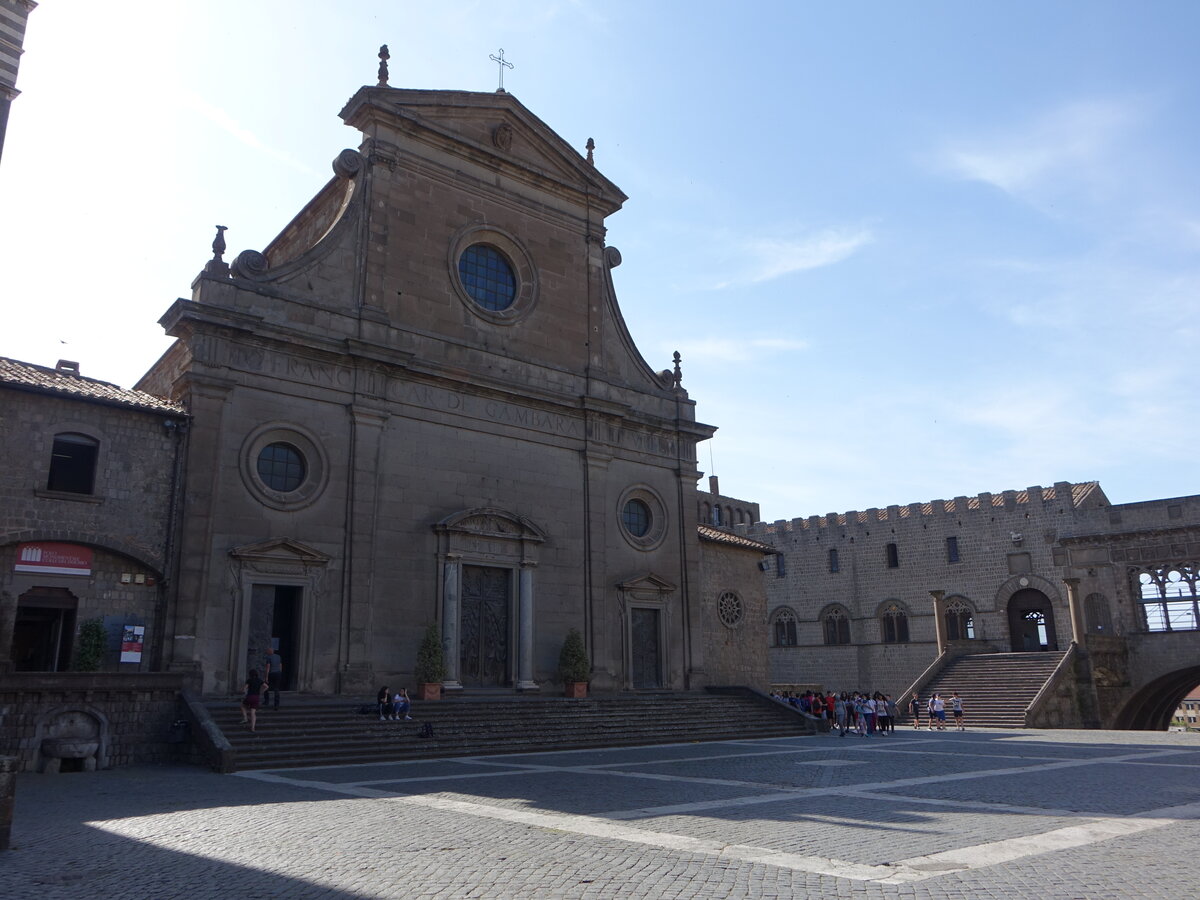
[484,627]
[647,668]
[44,630]
[1031,622]
[274,622]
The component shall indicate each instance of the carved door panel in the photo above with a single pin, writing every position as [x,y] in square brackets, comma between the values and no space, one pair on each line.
[484,627]
[645,646]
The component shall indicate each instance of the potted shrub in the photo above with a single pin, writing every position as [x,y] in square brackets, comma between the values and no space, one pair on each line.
[431,665]
[573,665]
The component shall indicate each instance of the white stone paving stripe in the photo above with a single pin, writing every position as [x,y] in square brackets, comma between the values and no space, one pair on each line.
[995,852]
[610,825]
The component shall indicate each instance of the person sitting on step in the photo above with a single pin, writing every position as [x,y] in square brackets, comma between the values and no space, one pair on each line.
[401,705]
[384,699]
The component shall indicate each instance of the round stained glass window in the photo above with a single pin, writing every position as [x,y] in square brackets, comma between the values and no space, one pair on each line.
[487,277]
[281,467]
[636,518]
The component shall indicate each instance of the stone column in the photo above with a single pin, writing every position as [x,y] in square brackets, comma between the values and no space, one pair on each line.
[451,593]
[8,794]
[525,680]
[939,620]
[1076,610]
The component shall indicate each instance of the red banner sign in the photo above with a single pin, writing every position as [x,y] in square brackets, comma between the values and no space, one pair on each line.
[54,559]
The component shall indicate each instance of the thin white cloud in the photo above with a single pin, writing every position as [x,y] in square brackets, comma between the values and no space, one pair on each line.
[226,123]
[1071,142]
[764,259]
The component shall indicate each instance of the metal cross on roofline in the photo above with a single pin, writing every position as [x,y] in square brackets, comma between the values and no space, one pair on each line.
[502,64]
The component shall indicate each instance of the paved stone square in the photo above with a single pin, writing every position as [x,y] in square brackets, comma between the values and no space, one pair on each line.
[1012,814]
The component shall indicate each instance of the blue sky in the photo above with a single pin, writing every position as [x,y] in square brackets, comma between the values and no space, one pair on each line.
[907,251]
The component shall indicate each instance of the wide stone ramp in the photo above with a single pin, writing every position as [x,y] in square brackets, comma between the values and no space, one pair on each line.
[996,687]
[309,731]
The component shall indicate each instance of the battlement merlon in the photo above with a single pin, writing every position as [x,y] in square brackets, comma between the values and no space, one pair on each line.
[1075,494]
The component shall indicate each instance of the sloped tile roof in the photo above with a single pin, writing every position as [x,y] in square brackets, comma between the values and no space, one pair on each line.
[717,536]
[40,379]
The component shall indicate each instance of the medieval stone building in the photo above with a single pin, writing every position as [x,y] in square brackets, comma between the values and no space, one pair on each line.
[871,598]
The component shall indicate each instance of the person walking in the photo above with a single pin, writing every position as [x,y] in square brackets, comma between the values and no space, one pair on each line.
[251,698]
[914,710]
[273,670]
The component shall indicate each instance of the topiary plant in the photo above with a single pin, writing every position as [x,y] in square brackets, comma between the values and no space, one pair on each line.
[89,649]
[431,662]
[573,665]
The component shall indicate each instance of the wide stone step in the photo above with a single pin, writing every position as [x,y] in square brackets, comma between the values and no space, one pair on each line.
[333,731]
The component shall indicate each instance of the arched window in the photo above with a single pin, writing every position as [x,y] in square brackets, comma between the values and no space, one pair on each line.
[836,626]
[1170,597]
[1097,615]
[784,628]
[73,463]
[893,622]
[960,620]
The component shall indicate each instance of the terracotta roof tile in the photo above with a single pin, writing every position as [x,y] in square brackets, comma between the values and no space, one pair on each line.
[717,536]
[26,376]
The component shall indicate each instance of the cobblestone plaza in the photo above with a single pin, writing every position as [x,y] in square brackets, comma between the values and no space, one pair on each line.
[1054,814]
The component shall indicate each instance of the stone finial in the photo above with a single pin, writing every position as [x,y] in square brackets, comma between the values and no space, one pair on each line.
[677,376]
[218,244]
[591,146]
[217,267]
[384,56]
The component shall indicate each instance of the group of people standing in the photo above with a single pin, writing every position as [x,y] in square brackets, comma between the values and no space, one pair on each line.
[863,713]
[935,706]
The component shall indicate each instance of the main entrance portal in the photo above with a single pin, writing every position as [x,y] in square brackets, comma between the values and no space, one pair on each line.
[1031,621]
[485,626]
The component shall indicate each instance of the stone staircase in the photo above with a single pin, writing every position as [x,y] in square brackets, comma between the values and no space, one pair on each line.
[996,688]
[310,731]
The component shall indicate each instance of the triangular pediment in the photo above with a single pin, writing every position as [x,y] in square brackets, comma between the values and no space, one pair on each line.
[491,129]
[648,583]
[492,523]
[281,550]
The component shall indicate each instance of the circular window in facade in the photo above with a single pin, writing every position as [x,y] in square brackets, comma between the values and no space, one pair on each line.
[487,277]
[643,517]
[729,608]
[636,518]
[492,273]
[283,467]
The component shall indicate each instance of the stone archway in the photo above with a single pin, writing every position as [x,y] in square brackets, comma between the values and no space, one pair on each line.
[1031,621]
[1151,707]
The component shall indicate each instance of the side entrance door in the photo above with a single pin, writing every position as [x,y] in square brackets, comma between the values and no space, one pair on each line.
[647,667]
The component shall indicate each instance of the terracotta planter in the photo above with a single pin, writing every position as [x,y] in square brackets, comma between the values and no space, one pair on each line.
[429,691]
[576,690]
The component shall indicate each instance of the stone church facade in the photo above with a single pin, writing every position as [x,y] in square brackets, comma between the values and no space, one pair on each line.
[421,404]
